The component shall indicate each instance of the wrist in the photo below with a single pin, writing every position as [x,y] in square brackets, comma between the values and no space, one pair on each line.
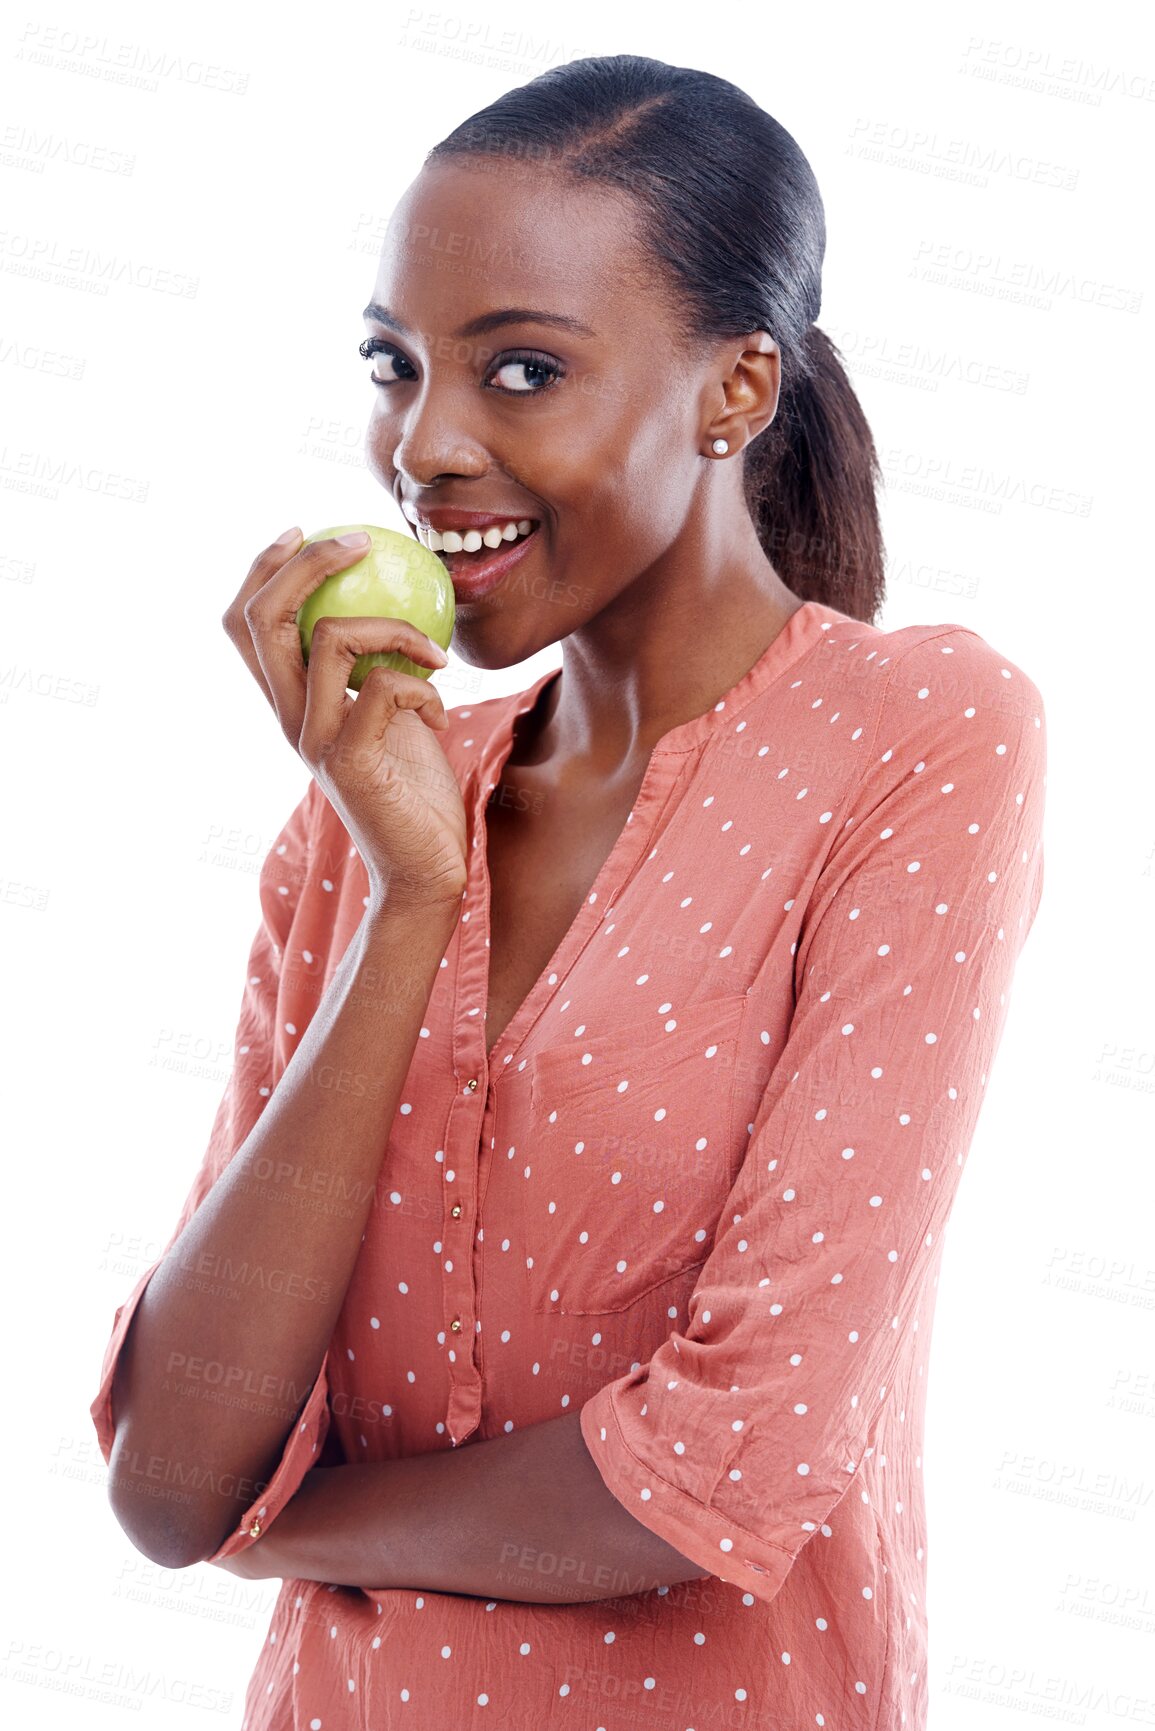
[390,905]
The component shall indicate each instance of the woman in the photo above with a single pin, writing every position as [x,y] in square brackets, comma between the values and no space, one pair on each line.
[609,1053]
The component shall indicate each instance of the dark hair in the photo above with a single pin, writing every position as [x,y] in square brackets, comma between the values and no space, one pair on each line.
[731,211]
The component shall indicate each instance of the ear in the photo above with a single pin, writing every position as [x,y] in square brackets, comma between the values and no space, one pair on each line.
[751,391]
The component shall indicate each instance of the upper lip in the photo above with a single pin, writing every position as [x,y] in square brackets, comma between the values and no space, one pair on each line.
[441,517]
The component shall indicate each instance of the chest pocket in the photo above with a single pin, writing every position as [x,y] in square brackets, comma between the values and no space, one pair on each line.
[629,1161]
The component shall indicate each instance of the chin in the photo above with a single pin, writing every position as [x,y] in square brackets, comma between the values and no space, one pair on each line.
[486,645]
[494,640]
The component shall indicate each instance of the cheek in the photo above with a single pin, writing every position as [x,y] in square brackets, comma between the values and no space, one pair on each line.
[378,454]
[635,468]
[665,468]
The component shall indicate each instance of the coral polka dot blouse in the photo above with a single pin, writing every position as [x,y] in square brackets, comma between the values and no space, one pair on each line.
[698,1192]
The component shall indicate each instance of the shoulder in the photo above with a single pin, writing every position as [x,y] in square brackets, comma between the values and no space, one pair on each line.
[939,707]
[925,661]
[955,750]
[935,678]
[953,665]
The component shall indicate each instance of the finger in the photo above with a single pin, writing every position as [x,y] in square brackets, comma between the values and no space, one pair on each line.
[268,560]
[382,695]
[271,615]
[336,644]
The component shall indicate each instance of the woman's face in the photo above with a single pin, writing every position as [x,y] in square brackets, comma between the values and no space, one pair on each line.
[596,436]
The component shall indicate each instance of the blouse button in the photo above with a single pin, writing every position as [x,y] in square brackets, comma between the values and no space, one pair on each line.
[455,1210]
[255,1530]
[471,1084]
[455,1325]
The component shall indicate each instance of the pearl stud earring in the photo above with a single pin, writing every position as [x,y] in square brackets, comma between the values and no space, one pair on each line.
[720,446]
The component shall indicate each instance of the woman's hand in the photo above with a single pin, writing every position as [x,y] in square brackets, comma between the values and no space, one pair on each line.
[374,755]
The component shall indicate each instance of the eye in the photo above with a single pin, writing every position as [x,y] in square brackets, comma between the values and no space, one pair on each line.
[531,362]
[374,346]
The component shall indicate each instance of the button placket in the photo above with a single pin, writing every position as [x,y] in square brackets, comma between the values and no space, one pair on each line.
[466,1132]
[461,1158]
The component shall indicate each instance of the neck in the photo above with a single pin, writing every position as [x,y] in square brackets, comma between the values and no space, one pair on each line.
[638,670]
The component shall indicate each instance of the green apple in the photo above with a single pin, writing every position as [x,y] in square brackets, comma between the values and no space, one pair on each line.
[397,578]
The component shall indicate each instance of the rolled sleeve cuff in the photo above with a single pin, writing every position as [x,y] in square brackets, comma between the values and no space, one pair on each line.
[101,1408]
[723,1548]
[299,1455]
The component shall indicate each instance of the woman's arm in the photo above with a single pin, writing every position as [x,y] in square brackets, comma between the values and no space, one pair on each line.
[524,1516]
[197,1335]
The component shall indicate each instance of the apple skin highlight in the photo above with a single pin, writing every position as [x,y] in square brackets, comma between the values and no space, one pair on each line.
[395,578]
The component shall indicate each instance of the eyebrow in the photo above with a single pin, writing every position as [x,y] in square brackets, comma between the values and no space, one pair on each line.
[488,321]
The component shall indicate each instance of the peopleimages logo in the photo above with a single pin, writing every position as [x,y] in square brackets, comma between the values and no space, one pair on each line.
[957,159]
[480,42]
[975,485]
[1020,280]
[26,147]
[111,1681]
[39,473]
[46,259]
[1063,75]
[117,62]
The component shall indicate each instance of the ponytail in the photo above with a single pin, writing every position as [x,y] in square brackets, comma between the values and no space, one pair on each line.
[810,481]
[731,213]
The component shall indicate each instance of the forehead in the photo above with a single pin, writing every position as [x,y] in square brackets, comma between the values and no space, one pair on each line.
[467,236]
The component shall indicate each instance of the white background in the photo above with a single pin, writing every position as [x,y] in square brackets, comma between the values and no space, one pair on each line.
[146,776]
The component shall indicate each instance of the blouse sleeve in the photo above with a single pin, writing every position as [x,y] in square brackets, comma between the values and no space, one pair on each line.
[258,1059]
[741,1434]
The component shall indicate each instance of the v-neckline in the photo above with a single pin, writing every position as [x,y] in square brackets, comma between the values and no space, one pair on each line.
[800,630]
[617,865]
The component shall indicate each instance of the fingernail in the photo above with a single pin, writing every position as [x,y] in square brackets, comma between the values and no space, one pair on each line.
[353,540]
[289,535]
[437,650]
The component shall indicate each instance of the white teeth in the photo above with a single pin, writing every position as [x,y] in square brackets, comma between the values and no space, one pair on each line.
[452,541]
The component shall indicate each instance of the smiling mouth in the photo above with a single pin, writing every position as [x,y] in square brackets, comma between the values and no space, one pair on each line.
[471,539]
[478,560]
[462,564]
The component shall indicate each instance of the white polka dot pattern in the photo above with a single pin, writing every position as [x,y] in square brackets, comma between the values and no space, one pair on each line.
[807,1311]
[697,1193]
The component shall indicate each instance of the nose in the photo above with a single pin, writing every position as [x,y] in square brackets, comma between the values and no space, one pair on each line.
[432,445]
